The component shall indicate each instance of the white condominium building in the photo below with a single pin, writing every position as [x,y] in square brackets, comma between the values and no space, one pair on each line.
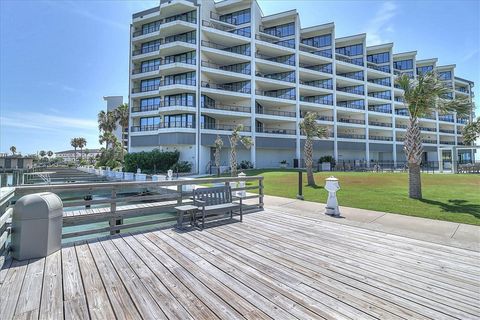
[200,68]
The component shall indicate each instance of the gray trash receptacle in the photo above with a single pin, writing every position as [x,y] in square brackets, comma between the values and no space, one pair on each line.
[37,225]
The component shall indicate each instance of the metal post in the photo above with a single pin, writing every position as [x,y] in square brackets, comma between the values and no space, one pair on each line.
[260,192]
[300,186]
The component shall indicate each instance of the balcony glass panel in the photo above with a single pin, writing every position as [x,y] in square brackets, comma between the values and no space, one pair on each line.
[326,84]
[383,81]
[383,108]
[280,31]
[237,17]
[352,89]
[354,104]
[319,41]
[320,99]
[287,59]
[281,76]
[327,68]
[240,87]
[379,57]
[381,95]
[358,75]
[243,49]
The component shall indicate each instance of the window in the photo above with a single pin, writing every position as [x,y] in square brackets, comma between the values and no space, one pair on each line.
[353,50]
[187,78]
[282,93]
[379,57]
[319,41]
[281,31]
[183,99]
[445,75]
[206,101]
[239,68]
[357,104]
[149,123]
[188,57]
[189,37]
[149,104]
[150,46]
[288,59]
[179,121]
[382,81]
[283,76]
[403,64]
[240,49]
[323,99]
[242,31]
[381,95]
[150,65]
[151,27]
[207,122]
[149,84]
[424,69]
[237,18]
[352,89]
[189,17]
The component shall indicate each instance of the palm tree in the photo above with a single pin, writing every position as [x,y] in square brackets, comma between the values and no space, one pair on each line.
[74,144]
[82,142]
[311,129]
[107,123]
[423,96]
[13,150]
[471,132]
[218,147]
[122,113]
[50,153]
[108,138]
[42,153]
[234,139]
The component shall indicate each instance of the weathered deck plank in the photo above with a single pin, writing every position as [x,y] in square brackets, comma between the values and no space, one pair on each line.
[273,265]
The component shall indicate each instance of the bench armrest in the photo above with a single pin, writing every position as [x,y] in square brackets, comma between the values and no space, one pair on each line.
[201,202]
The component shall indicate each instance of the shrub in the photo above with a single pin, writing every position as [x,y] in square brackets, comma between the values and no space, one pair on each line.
[245,164]
[151,162]
[326,159]
[182,166]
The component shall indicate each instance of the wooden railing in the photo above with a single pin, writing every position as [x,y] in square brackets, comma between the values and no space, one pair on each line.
[112,202]
[6,194]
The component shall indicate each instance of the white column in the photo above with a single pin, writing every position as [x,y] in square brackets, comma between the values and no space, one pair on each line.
[297,89]
[254,26]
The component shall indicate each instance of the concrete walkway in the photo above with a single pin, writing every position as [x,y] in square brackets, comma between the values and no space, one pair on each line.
[443,232]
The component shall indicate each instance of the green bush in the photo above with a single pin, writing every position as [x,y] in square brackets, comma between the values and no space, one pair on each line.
[182,166]
[326,159]
[151,162]
[245,164]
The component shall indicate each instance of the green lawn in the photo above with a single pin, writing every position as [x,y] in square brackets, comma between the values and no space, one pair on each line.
[445,196]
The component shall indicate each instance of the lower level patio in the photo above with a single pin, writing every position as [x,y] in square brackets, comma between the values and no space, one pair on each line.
[272,265]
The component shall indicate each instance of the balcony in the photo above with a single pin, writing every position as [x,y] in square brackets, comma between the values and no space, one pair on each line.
[148,49]
[287,60]
[447,142]
[283,43]
[156,47]
[384,68]
[318,84]
[352,121]
[163,63]
[380,138]
[327,53]
[279,113]
[276,94]
[380,124]
[238,31]
[399,99]
[354,61]
[446,131]
[429,116]
[359,92]
[157,27]
[243,49]
[402,112]
[319,116]
[219,106]
[350,105]
[401,126]
[400,139]
[163,83]
[147,30]
[384,108]
[431,141]
[226,87]
[276,131]
[225,127]
[327,100]
[153,107]
[446,118]
[243,68]
[428,129]
[326,68]
[352,75]
[383,82]
[462,121]
[163,125]
[351,136]
[281,76]
[162,104]
[380,95]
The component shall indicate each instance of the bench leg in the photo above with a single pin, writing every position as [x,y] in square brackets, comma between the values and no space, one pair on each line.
[203,219]
[180,219]
[241,210]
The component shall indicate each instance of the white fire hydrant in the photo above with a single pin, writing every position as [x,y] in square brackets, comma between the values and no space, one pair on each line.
[241,184]
[332,186]
[170,174]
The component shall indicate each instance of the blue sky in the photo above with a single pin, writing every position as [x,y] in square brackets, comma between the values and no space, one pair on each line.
[59,58]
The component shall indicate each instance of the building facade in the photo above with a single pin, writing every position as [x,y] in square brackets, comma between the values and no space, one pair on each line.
[200,68]
[69,155]
[112,103]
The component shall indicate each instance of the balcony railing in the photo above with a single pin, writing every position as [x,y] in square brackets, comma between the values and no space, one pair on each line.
[447,142]
[351,75]
[399,99]
[385,108]
[282,59]
[400,139]
[216,16]
[323,53]
[401,126]
[326,68]
[353,121]
[219,106]
[283,43]
[317,100]
[319,116]
[349,90]
[162,104]
[147,31]
[225,127]
[348,60]
[350,136]
[402,112]
[226,87]
[382,82]
[163,83]
[148,49]
[243,49]
[380,95]
[380,138]
[275,94]
[373,66]
[238,31]
[462,121]
[230,68]
[429,141]
[462,89]
[162,63]
[380,124]
[164,125]
[282,76]
[276,131]
[429,116]
[153,107]
[448,118]
[428,129]
[350,105]
[280,113]
[317,84]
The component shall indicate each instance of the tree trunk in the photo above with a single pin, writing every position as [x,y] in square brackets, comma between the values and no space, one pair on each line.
[414,181]
[75,154]
[233,162]
[308,153]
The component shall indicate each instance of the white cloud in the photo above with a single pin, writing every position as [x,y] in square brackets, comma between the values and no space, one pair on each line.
[470,55]
[43,122]
[381,24]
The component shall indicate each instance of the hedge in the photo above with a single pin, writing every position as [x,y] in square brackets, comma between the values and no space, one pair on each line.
[151,162]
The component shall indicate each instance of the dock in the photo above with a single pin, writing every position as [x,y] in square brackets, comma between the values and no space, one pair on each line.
[272,265]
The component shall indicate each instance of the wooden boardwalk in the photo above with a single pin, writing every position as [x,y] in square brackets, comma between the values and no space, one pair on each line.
[273,265]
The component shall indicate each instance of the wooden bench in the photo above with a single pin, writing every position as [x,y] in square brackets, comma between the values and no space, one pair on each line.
[215,201]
